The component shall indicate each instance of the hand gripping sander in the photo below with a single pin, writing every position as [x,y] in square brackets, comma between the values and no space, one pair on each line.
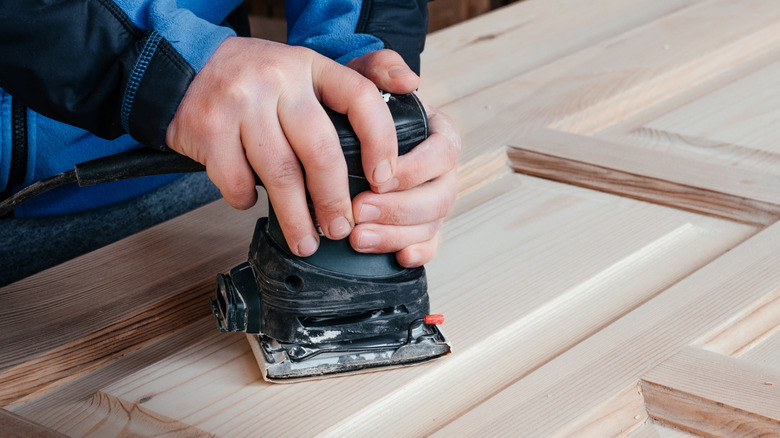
[337,311]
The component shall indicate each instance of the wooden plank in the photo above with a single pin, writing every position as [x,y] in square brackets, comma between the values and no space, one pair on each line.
[78,408]
[558,299]
[66,362]
[106,303]
[632,77]
[749,328]
[620,415]
[553,400]
[714,395]
[655,429]
[14,426]
[767,350]
[518,38]
[751,119]
[601,165]
[653,64]
[630,251]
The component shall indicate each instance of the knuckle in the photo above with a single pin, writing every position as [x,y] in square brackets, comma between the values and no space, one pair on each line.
[322,153]
[241,186]
[284,175]
[331,206]
[395,215]
[434,227]
[241,191]
[365,90]
[443,206]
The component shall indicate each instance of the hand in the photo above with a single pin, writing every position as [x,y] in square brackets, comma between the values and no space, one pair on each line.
[406,214]
[255,105]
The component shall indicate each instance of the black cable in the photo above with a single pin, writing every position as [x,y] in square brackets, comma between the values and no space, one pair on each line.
[131,164]
[36,189]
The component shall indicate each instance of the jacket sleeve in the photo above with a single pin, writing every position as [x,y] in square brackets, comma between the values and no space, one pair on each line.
[108,66]
[346,29]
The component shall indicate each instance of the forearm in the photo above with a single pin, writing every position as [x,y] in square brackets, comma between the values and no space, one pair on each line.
[108,67]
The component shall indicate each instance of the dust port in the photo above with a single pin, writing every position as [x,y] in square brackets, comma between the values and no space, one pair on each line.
[293,283]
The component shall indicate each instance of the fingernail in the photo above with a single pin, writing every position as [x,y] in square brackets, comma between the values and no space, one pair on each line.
[368,239]
[307,246]
[368,213]
[398,71]
[339,228]
[382,173]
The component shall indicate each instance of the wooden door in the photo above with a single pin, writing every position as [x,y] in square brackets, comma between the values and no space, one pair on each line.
[610,268]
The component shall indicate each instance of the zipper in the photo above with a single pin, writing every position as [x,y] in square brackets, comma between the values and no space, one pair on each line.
[365,11]
[18,169]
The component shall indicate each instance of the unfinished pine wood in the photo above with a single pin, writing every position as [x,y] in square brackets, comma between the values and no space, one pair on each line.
[544,298]
[613,89]
[557,398]
[655,429]
[685,183]
[749,328]
[502,44]
[766,351]
[714,395]
[14,426]
[106,303]
[561,301]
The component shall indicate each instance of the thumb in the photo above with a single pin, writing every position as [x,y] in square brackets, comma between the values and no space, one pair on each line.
[387,70]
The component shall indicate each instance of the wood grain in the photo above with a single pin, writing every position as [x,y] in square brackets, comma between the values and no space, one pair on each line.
[630,80]
[591,372]
[749,328]
[643,188]
[677,181]
[87,353]
[559,299]
[714,395]
[106,303]
[505,43]
[766,351]
[656,429]
[14,426]
[535,313]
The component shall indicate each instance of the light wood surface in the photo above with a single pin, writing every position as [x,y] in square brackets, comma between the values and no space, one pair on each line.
[632,290]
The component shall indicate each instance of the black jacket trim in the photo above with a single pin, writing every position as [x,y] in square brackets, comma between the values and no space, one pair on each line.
[135,78]
[91,77]
[401,24]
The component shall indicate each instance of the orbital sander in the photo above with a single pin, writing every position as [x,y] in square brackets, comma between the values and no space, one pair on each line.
[335,312]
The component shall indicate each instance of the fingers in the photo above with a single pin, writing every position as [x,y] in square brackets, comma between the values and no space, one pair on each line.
[387,69]
[418,254]
[407,218]
[348,92]
[315,142]
[405,222]
[428,202]
[438,154]
[233,176]
[374,238]
[277,166]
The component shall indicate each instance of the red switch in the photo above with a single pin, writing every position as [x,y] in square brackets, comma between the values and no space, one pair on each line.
[434,319]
